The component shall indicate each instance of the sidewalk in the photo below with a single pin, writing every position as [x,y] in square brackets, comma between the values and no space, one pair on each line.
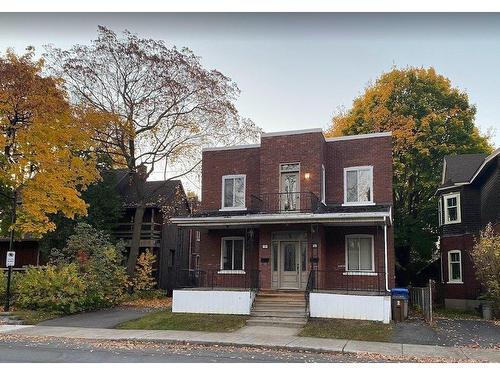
[265,337]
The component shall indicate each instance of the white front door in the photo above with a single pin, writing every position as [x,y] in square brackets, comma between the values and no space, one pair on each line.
[290,265]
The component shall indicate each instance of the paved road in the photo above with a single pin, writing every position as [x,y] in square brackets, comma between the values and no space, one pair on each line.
[106,318]
[14,349]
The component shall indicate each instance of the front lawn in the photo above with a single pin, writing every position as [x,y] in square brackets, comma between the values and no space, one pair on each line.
[347,329]
[187,322]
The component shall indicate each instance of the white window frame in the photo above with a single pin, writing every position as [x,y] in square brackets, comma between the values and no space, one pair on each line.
[370,272]
[197,235]
[233,176]
[323,184]
[223,271]
[350,169]
[459,208]
[450,280]
[440,211]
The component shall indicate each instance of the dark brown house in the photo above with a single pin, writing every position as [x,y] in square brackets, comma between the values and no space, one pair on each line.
[298,212]
[469,198]
[165,199]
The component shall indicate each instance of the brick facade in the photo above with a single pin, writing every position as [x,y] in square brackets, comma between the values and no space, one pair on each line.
[261,165]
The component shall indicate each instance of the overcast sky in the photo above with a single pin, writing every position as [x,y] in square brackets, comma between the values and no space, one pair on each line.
[294,70]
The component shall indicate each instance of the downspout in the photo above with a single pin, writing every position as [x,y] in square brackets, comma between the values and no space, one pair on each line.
[385,259]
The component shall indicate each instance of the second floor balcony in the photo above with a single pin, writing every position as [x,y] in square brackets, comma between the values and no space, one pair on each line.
[287,202]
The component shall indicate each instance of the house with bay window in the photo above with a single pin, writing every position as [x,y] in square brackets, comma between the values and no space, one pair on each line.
[300,221]
[468,199]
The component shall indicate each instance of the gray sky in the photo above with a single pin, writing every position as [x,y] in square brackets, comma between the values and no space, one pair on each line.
[295,69]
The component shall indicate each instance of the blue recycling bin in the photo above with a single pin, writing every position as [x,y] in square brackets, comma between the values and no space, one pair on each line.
[401,293]
[399,299]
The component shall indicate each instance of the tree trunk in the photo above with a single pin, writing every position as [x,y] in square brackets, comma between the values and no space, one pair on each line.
[136,238]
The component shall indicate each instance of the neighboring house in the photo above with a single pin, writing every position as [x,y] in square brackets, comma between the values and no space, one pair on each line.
[469,198]
[296,212]
[27,252]
[164,199]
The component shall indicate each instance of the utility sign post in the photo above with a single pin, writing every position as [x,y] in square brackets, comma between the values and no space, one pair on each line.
[9,262]
[11,259]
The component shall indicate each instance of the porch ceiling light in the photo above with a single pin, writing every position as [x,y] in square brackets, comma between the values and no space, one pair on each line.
[307,175]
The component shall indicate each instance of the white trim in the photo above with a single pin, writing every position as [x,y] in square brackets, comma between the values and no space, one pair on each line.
[459,208]
[231,238]
[450,280]
[443,172]
[236,147]
[292,132]
[359,136]
[357,169]
[231,272]
[370,236]
[486,161]
[386,267]
[323,184]
[359,273]
[294,217]
[454,186]
[440,211]
[234,208]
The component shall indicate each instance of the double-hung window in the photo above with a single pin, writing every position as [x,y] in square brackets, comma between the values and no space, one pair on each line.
[452,208]
[358,185]
[233,192]
[232,254]
[455,266]
[359,253]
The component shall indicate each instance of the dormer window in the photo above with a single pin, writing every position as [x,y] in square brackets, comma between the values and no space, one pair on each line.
[233,192]
[452,208]
[358,186]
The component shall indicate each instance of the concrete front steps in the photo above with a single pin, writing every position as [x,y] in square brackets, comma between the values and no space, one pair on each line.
[279,309]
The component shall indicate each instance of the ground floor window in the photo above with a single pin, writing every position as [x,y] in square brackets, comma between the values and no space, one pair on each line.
[455,266]
[359,253]
[233,254]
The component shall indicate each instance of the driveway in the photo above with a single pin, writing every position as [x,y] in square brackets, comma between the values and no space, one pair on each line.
[448,332]
[106,318]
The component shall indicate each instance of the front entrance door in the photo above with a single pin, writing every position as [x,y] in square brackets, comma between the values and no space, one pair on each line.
[290,265]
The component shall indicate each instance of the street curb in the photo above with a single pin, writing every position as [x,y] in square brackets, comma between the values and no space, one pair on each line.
[207,343]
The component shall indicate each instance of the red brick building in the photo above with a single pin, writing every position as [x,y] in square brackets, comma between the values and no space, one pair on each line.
[297,212]
[469,199]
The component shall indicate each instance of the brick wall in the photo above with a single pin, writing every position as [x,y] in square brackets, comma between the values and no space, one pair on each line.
[376,152]
[216,164]
[470,289]
[307,149]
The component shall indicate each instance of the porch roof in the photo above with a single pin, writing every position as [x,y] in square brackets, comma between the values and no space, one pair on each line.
[342,217]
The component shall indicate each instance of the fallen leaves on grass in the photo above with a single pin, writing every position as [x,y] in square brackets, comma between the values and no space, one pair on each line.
[154,303]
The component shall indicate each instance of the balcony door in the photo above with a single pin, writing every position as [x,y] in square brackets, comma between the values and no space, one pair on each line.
[289,187]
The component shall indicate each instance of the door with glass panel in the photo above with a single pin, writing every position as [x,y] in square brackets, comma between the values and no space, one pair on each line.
[290,265]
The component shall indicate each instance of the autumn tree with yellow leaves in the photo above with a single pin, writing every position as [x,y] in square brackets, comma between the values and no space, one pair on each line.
[428,118]
[159,106]
[43,159]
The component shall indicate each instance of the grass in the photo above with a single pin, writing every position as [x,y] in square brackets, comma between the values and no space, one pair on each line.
[34,317]
[348,329]
[442,313]
[187,322]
